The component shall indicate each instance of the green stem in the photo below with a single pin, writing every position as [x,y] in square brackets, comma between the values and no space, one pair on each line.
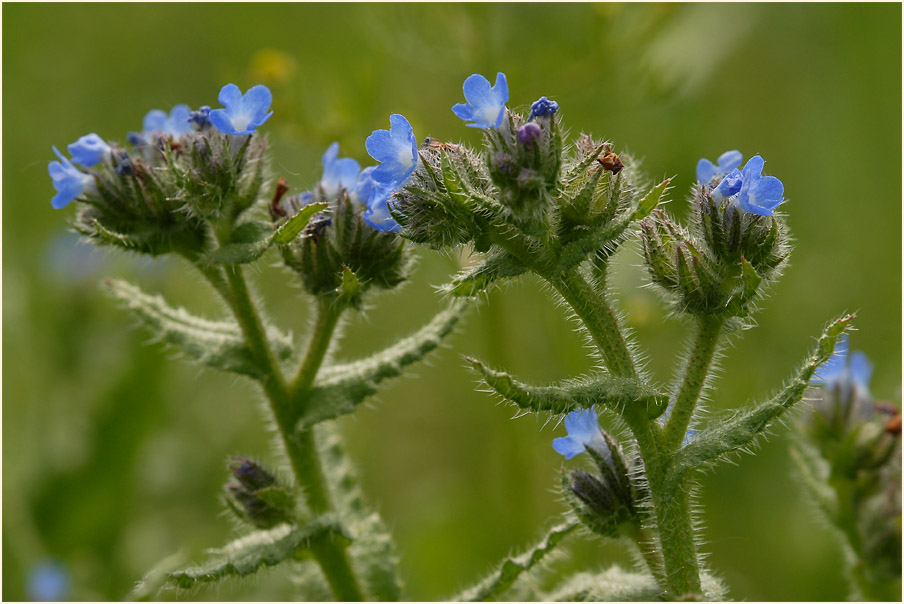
[646,544]
[300,445]
[328,313]
[599,319]
[676,536]
[698,364]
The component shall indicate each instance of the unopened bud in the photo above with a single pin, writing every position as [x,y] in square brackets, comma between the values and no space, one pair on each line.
[529,133]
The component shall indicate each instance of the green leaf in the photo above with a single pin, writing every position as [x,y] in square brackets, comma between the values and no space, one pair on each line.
[617,585]
[155,579]
[216,344]
[739,431]
[248,554]
[497,264]
[340,388]
[248,244]
[651,200]
[511,568]
[814,474]
[277,497]
[617,393]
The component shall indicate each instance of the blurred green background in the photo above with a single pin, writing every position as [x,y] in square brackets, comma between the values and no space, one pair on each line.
[114,450]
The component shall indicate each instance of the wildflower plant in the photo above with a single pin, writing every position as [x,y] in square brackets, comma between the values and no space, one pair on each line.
[199,185]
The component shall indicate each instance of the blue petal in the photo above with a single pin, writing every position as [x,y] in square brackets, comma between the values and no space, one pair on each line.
[753,168]
[364,186]
[706,170]
[477,90]
[463,111]
[230,95]
[567,446]
[338,174]
[861,370]
[730,160]
[178,121]
[582,424]
[89,150]
[256,102]
[729,186]
[500,88]
[154,121]
[768,192]
[220,120]
[396,149]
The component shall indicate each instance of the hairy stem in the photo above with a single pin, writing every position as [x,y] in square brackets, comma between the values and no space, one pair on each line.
[679,552]
[328,313]
[599,319]
[300,446]
[698,364]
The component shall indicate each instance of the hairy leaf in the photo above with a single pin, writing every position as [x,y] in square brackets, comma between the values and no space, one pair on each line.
[616,393]
[216,344]
[497,264]
[246,555]
[617,585]
[341,388]
[511,568]
[740,430]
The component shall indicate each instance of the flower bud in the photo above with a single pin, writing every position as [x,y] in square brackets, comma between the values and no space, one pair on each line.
[255,495]
[529,133]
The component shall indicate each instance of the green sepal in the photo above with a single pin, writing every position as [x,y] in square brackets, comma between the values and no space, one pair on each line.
[248,554]
[739,431]
[621,394]
[217,344]
[341,388]
[250,240]
[604,526]
[511,568]
[351,289]
[650,201]
[498,264]
[453,181]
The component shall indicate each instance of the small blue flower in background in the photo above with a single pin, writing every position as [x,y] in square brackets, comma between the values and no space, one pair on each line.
[845,369]
[485,106]
[364,185]
[69,181]
[175,124]
[543,107]
[89,150]
[583,431]
[201,117]
[338,173]
[243,113]
[707,170]
[396,150]
[759,194]
[48,581]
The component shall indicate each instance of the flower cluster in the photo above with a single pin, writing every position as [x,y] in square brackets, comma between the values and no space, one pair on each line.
[747,188]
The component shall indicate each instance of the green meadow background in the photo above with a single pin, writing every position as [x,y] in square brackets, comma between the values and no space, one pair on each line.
[115,450]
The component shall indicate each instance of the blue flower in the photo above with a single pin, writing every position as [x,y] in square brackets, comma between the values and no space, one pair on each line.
[201,117]
[485,106]
[846,370]
[69,181]
[173,125]
[48,581]
[543,107]
[377,214]
[759,194]
[728,161]
[396,149]
[338,173]
[89,150]
[583,431]
[243,114]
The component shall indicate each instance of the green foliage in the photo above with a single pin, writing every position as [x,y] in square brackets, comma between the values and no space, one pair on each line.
[248,554]
[217,344]
[497,264]
[339,389]
[617,585]
[511,568]
[622,395]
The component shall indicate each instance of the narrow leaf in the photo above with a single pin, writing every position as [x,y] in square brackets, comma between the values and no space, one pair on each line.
[740,430]
[214,343]
[616,393]
[292,227]
[341,388]
[248,554]
[511,568]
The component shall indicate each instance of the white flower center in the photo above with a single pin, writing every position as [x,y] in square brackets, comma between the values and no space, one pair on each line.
[240,122]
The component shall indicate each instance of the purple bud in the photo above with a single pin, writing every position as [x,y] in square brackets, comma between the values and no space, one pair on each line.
[543,107]
[529,133]
[251,475]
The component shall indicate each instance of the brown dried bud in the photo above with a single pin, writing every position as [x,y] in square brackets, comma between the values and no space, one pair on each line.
[612,162]
[277,211]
